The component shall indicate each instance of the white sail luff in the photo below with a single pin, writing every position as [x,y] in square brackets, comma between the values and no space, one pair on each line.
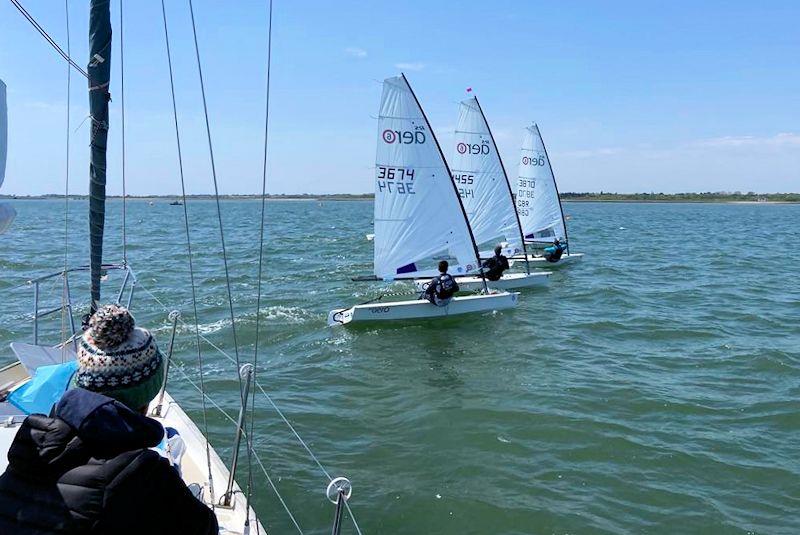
[482,184]
[418,216]
[7,212]
[537,196]
[3,131]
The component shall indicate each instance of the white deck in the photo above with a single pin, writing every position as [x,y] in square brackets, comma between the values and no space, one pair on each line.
[421,309]
[509,281]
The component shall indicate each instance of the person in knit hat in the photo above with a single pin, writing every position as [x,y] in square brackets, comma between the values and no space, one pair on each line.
[90,466]
[119,360]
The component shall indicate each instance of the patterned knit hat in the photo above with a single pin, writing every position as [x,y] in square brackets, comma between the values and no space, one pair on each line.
[119,360]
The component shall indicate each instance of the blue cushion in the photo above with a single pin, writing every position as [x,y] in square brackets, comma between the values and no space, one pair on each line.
[48,384]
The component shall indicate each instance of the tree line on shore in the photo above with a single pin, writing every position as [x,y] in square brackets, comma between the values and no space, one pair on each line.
[717,196]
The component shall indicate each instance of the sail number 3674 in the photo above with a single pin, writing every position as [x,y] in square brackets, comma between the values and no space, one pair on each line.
[395,180]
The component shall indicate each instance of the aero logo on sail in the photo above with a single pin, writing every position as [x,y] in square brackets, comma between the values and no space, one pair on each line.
[473,148]
[533,161]
[405,137]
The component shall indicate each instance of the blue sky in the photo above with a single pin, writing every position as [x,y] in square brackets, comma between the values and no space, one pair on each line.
[630,96]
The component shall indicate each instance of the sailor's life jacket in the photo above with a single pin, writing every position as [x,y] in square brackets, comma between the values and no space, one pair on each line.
[554,252]
[441,289]
[495,266]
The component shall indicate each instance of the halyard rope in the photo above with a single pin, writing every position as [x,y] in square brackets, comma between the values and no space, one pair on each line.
[64,291]
[188,248]
[219,210]
[261,251]
[122,109]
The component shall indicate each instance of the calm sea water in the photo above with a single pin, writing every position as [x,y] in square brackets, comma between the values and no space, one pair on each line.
[654,388]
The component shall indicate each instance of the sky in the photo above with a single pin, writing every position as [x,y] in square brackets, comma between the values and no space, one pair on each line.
[630,96]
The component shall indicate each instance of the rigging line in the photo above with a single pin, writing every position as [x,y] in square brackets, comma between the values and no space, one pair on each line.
[261,242]
[180,367]
[278,494]
[261,388]
[219,207]
[122,106]
[64,288]
[352,517]
[188,249]
[311,453]
[272,403]
[219,216]
[49,39]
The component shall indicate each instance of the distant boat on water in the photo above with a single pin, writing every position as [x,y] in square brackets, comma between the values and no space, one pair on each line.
[176,203]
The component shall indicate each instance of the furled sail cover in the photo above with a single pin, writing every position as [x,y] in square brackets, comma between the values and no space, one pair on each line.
[481,180]
[7,212]
[537,197]
[418,217]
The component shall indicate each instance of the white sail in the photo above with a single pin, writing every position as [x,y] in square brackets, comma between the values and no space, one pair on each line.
[481,180]
[3,131]
[7,212]
[537,196]
[418,215]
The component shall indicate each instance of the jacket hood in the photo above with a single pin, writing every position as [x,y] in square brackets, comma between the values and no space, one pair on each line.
[86,425]
[105,425]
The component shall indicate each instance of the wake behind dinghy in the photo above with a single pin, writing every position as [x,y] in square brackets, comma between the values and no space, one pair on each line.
[485,193]
[538,204]
[419,218]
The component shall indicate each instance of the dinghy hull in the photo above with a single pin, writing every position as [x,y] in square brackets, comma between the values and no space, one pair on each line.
[509,281]
[421,309]
[540,262]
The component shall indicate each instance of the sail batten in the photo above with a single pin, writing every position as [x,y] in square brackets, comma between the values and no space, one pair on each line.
[537,198]
[418,216]
[99,69]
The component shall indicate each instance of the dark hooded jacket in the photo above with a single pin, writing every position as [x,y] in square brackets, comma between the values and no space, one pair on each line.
[88,470]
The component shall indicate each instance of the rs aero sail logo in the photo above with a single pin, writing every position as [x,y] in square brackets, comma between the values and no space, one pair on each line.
[403,137]
[473,148]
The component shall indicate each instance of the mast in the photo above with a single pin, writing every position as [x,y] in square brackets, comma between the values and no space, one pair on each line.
[450,176]
[99,70]
[508,184]
[555,185]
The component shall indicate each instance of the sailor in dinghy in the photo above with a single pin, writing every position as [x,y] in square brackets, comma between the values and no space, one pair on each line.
[480,177]
[419,218]
[539,205]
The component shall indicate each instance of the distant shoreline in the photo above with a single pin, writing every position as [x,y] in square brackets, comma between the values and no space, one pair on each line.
[719,198]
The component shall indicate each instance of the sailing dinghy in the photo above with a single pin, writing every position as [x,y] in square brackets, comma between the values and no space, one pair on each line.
[480,177]
[419,218]
[538,204]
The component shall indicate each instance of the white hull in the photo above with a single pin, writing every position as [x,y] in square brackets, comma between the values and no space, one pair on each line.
[509,281]
[540,262]
[194,466]
[420,309]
